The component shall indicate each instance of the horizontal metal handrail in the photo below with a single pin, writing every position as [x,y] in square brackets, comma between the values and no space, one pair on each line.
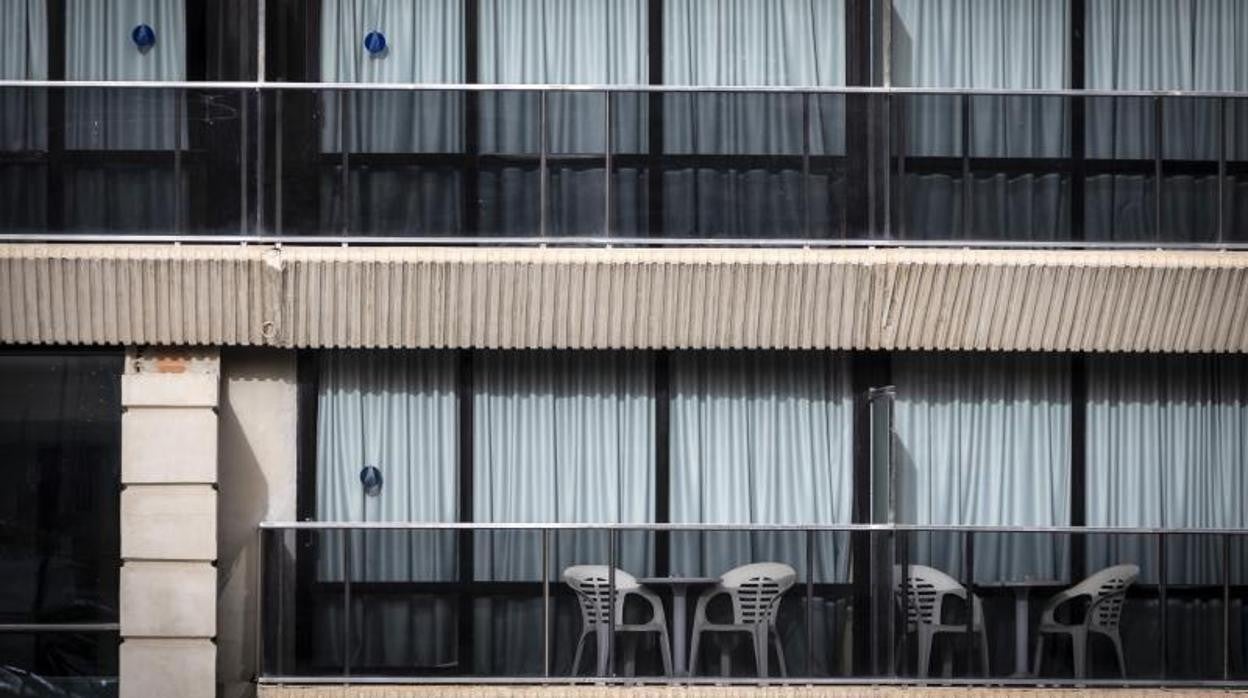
[865,680]
[830,528]
[265,86]
[59,627]
[592,241]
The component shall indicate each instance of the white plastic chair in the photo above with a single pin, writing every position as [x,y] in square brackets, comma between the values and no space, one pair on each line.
[926,589]
[755,591]
[592,584]
[1107,593]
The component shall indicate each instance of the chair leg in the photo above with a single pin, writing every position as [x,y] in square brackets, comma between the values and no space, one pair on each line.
[693,652]
[665,650]
[983,652]
[761,650]
[603,641]
[784,669]
[1039,655]
[1122,661]
[628,643]
[925,651]
[580,647]
[1079,645]
[725,659]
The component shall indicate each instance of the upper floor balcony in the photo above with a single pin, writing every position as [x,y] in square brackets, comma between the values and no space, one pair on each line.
[624,165]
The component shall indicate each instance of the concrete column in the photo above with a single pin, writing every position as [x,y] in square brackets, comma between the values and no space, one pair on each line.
[258,442]
[169,523]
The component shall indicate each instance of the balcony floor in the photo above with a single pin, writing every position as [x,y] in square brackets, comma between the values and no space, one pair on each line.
[446,691]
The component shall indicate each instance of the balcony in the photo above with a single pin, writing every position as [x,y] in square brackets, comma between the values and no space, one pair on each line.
[621,165]
[412,603]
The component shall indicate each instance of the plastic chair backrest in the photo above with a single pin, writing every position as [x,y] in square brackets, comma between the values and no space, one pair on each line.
[926,588]
[756,590]
[1107,591]
[592,584]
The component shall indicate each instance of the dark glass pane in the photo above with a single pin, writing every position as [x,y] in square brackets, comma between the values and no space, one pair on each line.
[60,430]
[82,665]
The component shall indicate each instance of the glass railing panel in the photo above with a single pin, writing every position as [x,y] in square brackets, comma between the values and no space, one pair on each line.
[51,663]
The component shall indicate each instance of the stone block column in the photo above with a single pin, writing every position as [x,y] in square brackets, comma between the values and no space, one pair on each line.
[168,601]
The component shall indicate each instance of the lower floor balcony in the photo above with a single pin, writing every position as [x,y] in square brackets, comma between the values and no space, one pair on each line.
[706,605]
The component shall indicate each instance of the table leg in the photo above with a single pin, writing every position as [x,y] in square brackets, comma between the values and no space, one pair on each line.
[679,593]
[1020,631]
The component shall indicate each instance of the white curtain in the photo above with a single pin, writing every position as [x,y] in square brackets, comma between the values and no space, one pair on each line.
[98,47]
[1015,44]
[558,437]
[743,43]
[395,411]
[762,438]
[984,439]
[23,56]
[1167,446]
[1161,45]
[424,44]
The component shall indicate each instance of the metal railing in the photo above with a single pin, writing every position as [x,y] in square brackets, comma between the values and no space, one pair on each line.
[329,591]
[258,166]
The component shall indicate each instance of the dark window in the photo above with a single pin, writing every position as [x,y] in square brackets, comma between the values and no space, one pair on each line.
[60,435]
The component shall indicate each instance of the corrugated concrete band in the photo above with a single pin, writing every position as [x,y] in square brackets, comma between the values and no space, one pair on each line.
[893,299]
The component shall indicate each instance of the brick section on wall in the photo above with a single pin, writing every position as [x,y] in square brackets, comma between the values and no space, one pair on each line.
[169,523]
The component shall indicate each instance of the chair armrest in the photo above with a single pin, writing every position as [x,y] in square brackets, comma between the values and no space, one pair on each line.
[1048,613]
[704,600]
[656,604]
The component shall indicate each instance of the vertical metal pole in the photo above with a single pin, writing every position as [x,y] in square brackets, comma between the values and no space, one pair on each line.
[277,166]
[1161,593]
[178,114]
[904,548]
[899,126]
[810,603]
[806,193]
[969,564]
[1158,124]
[344,183]
[243,148]
[261,19]
[546,602]
[611,602]
[968,200]
[606,226]
[1222,202]
[1226,607]
[259,219]
[260,588]
[542,169]
[346,601]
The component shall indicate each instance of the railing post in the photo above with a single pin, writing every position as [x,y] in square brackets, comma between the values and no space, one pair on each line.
[1163,602]
[611,602]
[542,167]
[810,602]
[546,602]
[1226,607]
[346,601]
[606,185]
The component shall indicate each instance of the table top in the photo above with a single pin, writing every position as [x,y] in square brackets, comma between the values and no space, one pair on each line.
[1020,583]
[676,581]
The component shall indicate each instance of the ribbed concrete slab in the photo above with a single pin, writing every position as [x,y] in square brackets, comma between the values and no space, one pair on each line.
[1006,300]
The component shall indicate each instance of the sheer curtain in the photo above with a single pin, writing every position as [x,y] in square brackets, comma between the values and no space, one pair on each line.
[23,112]
[1017,44]
[984,439]
[1167,445]
[560,42]
[424,44]
[749,42]
[98,47]
[23,56]
[761,438]
[395,411]
[1161,45]
[558,437]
